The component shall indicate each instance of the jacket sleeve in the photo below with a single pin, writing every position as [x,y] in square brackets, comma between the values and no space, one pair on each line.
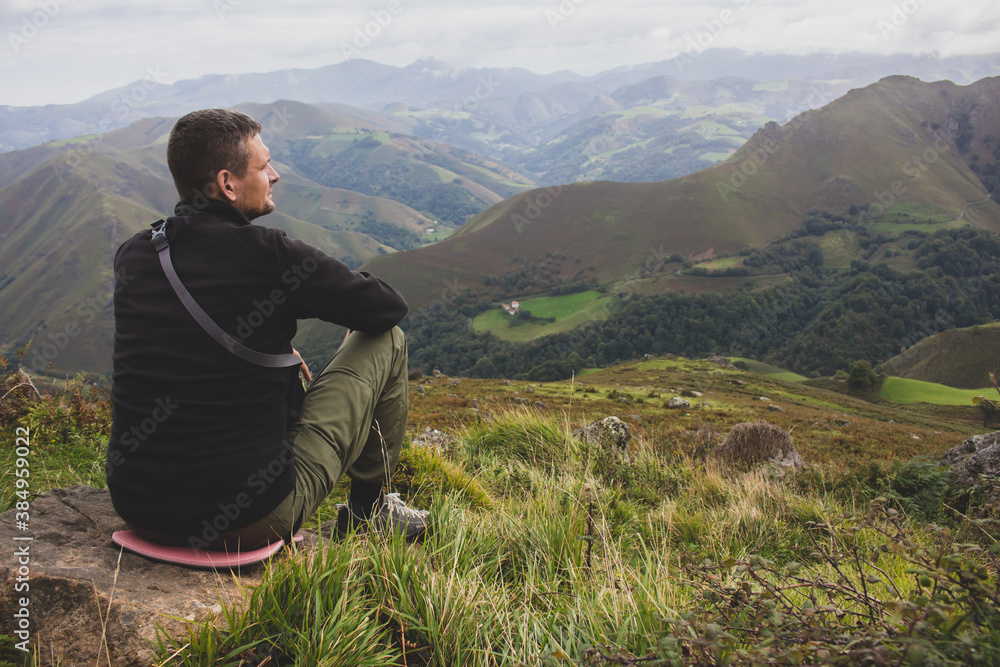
[324,287]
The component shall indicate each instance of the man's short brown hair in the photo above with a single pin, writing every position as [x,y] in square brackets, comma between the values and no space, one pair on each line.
[205,142]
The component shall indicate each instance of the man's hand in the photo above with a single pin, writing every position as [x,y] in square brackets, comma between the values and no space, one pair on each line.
[302,367]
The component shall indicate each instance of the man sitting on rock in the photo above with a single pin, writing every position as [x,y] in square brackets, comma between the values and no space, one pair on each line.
[214,451]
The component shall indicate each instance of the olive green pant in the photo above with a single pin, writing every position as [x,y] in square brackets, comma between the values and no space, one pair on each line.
[353,421]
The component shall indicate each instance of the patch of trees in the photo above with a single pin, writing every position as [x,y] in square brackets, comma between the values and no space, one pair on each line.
[526,277]
[575,286]
[961,253]
[818,223]
[389,234]
[525,316]
[797,255]
[415,185]
[862,377]
[964,133]
[815,321]
[730,272]
[989,172]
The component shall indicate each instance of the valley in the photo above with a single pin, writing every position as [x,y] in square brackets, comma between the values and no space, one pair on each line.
[806,235]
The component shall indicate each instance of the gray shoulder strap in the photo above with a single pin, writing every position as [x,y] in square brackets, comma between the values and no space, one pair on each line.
[203,318]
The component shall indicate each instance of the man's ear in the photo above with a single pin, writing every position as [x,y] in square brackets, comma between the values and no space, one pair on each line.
[225,185]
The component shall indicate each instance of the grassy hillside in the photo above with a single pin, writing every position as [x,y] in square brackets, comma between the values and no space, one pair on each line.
[902,390]
[769,370]
[874,154]
[957,357]
[893,390]
[545,549]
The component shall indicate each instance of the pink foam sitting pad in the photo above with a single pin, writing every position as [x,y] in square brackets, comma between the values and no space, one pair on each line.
[192,557]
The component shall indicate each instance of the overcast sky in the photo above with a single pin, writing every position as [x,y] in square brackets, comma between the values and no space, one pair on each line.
[59,51]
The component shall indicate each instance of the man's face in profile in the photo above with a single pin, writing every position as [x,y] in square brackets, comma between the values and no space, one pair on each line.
[253,189]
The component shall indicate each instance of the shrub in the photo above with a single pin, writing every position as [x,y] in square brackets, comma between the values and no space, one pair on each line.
[861,377]
[917,487]
[18,395]
[750,443]
[901,603]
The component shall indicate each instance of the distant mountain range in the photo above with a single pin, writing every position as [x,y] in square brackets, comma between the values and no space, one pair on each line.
[554,128]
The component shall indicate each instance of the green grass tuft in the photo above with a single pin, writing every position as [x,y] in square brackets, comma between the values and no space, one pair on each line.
[519,436]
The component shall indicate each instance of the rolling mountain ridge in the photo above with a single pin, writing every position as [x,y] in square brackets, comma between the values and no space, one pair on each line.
[897,152]
[428,83]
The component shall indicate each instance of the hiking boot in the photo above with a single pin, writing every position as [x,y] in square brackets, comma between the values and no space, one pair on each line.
[392,517]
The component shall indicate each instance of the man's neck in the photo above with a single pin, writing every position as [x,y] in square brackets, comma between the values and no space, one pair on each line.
[203,206]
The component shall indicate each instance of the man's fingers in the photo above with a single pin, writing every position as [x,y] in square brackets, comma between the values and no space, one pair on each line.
[302,366]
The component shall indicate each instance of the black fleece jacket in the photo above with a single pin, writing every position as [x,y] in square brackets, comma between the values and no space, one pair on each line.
[198,435]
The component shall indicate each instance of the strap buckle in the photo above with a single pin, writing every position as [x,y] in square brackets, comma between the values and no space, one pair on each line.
[159,238]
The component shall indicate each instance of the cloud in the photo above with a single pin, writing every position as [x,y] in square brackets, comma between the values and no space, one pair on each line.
[87,46]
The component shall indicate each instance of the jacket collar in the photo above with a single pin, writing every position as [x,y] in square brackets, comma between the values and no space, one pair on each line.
[213,207]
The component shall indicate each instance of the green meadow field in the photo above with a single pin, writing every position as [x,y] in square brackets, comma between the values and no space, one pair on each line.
[901,390]
[570,311]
